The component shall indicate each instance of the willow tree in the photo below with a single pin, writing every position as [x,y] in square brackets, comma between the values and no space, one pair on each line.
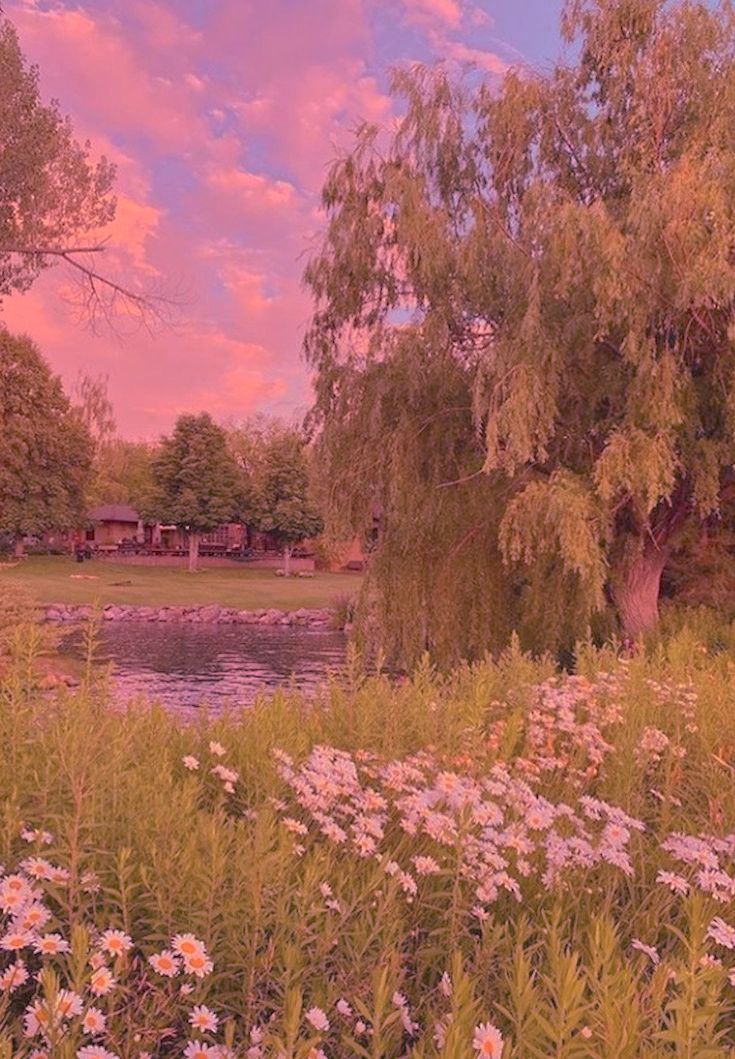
[564,245]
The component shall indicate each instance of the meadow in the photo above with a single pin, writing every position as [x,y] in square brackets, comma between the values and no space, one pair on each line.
[507,861]
[55,579]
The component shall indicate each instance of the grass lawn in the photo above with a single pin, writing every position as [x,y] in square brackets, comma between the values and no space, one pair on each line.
[55,579]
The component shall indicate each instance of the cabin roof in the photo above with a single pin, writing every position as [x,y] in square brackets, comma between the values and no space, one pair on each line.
[114,513]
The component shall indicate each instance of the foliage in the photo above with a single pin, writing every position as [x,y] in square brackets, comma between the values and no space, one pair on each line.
[329,854]
[551,265]
[196,484]
[283,503]
[123,472]
[45,449]
[51,193]
[276,464]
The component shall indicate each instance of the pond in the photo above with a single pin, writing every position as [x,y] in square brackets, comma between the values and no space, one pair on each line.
[184,666]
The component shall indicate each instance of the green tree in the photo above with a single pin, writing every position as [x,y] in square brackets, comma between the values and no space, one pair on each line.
[123,472]
[281,492]
[45,448]
[566,244]
[54,198]
[196,482]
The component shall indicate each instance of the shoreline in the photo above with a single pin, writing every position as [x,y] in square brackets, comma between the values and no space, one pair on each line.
[210,614]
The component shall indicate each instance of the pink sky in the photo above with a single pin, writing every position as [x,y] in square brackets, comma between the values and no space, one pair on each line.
[223,116]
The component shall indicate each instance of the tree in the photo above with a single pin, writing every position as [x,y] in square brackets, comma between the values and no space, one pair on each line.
[54,199]
[196,483]
[282,494]
[123,472]
[45,449]
[567,245]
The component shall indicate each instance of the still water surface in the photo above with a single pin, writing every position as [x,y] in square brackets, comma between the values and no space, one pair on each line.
[188,665]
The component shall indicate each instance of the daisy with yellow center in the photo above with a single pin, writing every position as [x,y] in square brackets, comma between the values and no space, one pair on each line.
[101,981]
[14,976]
[15,940]
[198,964]
[68,1004]
[203,1019]
[115,942]
[50,945]
[165,963]
[94,1022]
[488,1041]
[187,945]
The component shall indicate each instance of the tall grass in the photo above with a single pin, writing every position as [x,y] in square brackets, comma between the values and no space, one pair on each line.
[232,830]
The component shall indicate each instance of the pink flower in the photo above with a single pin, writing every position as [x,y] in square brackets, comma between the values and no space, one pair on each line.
[318,1019]
[203,1019]
[488,1040]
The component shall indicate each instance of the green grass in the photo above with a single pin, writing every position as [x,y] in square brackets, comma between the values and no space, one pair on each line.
[56,580]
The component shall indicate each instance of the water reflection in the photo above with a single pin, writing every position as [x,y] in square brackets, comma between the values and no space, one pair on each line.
[183,666]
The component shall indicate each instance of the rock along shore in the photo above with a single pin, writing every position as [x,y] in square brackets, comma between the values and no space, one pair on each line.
[319,618]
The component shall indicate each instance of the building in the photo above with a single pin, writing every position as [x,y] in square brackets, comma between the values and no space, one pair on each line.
[112,523]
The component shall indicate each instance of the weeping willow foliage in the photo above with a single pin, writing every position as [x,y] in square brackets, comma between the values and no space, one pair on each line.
[546,269]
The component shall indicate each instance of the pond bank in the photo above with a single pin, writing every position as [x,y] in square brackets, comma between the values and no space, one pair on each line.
[209,614]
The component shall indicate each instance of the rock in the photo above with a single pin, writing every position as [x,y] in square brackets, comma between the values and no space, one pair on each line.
[210,613]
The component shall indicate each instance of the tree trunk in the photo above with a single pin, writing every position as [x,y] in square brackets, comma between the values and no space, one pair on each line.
[287,560]
[19,549]
[636,588]
[193,552]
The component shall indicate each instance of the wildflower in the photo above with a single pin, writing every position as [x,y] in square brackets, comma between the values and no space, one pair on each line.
[92,1051]
[425,866]
[90,882]
[360,1028]
[318,1019]
[488,1041]
[445,985]
[115,942]
[15,940]
[203,1019]
[38,868]
[721,933]
[33,917]
[217,749]
[225,774]
[94,1022]
[676,883]
[186,945]
[14,976]
[197,1050]
[35,1019]
[344,1008]
[50,945]
[190,762]
[166,963]
[186,989]
[97,959]
[102,981]
[198,964]
[648,950]
[68,1004]
[585,1032]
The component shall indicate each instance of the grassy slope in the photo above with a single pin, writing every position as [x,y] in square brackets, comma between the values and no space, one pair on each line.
[52,580]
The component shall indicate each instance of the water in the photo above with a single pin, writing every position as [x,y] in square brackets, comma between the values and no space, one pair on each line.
[221,666]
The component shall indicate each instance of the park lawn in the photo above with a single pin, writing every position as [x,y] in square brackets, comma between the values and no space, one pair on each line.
[54,579]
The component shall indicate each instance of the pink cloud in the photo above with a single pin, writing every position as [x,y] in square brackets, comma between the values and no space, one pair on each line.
[222,128]
[447,12]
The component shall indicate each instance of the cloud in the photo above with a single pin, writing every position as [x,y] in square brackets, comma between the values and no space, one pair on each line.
[222,119]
